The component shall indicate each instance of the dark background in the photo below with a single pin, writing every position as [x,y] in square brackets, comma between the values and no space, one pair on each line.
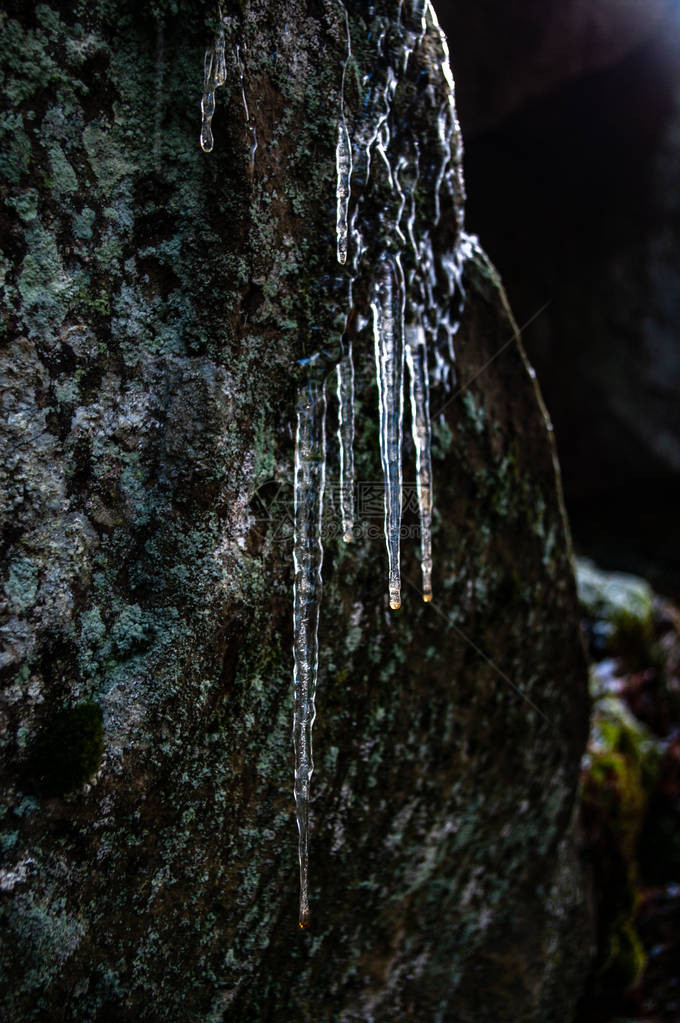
[570,116]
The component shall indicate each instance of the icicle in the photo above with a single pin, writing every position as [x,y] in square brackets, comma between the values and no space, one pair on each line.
[416,358]
[413,13]
[345,377]
[368,132]
[409,169]
[208,102]
[250,125]
[387,306]
[407,259]
[310,471]
[343,159]
[215,74]
[450,137]
[345,368]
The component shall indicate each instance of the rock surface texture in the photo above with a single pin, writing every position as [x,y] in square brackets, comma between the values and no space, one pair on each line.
[155,303]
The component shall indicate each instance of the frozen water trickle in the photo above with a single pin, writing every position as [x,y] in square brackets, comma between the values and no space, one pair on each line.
[344,168]
[310,475]
[421,430]
[208,102]
[450,136]
[214,75]
[343,158]
[387,306]
[345,382]
[343,163]
[249,122]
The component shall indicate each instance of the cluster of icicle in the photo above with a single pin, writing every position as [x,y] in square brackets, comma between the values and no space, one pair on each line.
[415,300]
[215,75]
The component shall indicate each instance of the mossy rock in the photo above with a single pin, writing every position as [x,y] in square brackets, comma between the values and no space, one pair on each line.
[620,773]
[627,958]
[623,606]
[615,730]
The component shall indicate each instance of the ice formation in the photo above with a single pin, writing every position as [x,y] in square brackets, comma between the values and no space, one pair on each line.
[215,74]
[310,474]
[397,174]
[421,429]
[249,122]
[387,306]
[343,161]
[345,382]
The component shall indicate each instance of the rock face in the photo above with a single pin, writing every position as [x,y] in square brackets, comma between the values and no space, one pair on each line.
[155,304]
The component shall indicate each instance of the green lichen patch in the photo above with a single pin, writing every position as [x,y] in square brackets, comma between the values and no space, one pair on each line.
[622,606]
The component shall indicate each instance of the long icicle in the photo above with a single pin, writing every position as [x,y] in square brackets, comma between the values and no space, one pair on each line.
[345,368]
[343,160]
[310,473]
[387,306]
[246,112]
[215,74]
[421,429]
[345,379]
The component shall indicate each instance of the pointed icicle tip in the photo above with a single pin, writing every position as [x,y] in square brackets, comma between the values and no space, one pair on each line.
[304,922]
[427,596]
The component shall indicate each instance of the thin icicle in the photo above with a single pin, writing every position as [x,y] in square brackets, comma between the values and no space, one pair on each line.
[343,160]
[415,26]
[345,378]
[214,75]
[343,163]
[387,306]
[249,123]
[450,136]
[421,429]
[310,473]
[208,102]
